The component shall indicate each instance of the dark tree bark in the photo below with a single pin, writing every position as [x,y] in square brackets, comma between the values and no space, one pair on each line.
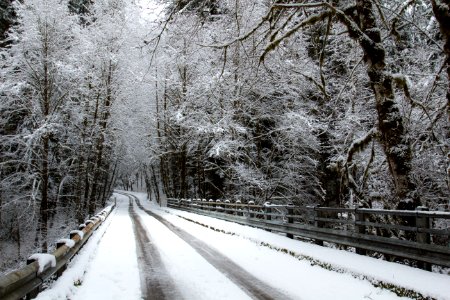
[155,185]
[441,10]
[97,175]
[43,210]
[104,194]
[45,154]
[7,18]
[164,176]
[183,172]
[113,179]
[361,23]
[99,168]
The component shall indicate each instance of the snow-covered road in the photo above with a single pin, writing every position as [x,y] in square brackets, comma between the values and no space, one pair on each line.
[156,283]
[248,283]
[152,253]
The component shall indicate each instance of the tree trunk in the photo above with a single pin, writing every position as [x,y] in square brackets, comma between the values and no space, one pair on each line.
[104,192]
[330,178]
[97,175]
[156,186]
[45,106]
[86,186]
[99,150]
[43,211]
[113,178]
[148,185]
[164,172]
[79,190]
[393,134]
[441,10]
[183,173]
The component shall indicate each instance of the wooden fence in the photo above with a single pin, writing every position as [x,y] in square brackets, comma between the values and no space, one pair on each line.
[27,281]
[420,235]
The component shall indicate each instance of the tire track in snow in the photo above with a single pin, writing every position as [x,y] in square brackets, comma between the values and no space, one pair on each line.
[155,281]
[253,287]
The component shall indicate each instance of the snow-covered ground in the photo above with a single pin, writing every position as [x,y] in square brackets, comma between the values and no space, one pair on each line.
[108,268]
[294,272]
[193,275]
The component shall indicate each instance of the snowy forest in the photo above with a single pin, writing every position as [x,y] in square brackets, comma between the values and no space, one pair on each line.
[333,103]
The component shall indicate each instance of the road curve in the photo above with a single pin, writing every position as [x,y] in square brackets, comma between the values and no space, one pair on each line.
[252,286]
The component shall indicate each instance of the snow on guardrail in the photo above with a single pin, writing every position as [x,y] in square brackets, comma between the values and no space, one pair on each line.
[27,281]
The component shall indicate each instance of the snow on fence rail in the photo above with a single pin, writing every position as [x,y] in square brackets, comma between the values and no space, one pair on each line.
[419,235]
[27,281]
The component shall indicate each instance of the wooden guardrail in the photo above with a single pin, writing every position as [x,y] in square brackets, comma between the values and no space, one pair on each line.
[27,281]
[419,235]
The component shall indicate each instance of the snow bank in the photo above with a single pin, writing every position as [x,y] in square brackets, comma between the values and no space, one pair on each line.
[113,272]
[376,271]
[73,277]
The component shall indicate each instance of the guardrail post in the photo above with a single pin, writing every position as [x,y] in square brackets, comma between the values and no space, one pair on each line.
[290,219]
[360,228]
[423,222]
[227,207]
[267,212]
[317,215]
[239,208]
[250,212]
[64,267]
[33,294]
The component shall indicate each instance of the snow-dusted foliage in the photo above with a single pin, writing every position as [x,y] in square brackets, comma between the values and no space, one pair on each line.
[259,101]
[39,76]
[226,126]
[252,100]
[64,79]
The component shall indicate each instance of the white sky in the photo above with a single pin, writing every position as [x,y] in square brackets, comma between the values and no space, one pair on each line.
[151,10]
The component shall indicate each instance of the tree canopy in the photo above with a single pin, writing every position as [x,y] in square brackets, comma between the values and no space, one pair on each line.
[334,103]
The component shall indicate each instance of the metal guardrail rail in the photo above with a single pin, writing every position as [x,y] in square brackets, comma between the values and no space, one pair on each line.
[27,281]
[419,235]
